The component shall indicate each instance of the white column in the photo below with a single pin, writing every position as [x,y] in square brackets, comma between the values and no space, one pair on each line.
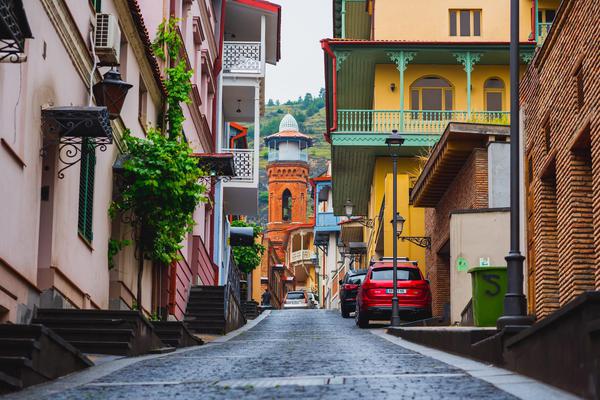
[263,42]
[256,131]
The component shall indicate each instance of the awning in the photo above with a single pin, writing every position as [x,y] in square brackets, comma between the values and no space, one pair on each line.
[216,164]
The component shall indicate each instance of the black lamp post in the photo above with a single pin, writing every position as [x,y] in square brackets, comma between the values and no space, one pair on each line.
[111,92]
[394,141]
[514,300]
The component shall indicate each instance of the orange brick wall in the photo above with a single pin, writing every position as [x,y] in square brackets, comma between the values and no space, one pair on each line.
[469,190]
[565,174]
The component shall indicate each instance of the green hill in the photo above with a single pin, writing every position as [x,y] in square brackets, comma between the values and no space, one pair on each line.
[310,114]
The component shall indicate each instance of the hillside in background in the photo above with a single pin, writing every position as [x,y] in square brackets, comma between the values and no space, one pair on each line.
[310,114]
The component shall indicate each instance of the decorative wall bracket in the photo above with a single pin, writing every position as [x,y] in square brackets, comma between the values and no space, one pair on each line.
[14,29]
[70,128]
[366,222]
[401,58]
[421,241]
[468,59]
[340,57]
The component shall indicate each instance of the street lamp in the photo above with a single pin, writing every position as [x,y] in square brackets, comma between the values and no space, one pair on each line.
[421,241]
[394,141]
[349,210]
[514,300]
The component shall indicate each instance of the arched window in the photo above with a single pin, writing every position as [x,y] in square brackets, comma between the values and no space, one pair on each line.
[286,205]
[493,90]
[431,93]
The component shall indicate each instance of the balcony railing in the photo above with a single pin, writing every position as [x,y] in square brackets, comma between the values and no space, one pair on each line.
[243,159]
[301,255]
[413,121]
[326,221]
[242,58]
[542,31]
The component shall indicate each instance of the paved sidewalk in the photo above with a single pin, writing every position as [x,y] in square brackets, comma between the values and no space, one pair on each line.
[292,354]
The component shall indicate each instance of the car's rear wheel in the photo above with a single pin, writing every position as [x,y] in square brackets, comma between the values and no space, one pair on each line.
[361,318]
[345,312]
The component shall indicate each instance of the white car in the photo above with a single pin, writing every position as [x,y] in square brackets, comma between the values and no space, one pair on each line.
[296,299]
[312,300]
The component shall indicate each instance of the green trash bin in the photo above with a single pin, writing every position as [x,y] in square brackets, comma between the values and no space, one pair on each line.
[489,288]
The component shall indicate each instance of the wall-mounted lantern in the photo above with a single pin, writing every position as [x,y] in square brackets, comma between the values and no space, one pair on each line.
[111,92]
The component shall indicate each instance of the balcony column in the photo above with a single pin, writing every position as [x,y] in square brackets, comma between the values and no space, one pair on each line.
[468,59]
[256,144]
[401,59]
[343,19]
[263,43]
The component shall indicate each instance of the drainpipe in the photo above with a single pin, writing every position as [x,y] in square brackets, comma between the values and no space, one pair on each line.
[535,31]
[343,19]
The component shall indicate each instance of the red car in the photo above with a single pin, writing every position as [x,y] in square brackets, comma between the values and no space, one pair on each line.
[374,299]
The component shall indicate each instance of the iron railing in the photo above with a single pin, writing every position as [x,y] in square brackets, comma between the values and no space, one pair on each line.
[242,58]
[232,285]
[542,31]
[414,121]
[243,159]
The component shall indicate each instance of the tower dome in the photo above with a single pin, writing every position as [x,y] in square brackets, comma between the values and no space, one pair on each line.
[288,124]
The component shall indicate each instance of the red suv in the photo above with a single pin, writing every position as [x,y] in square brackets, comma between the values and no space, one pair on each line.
[374,299]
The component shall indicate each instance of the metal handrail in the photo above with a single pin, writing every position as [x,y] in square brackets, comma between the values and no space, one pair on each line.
[412,121]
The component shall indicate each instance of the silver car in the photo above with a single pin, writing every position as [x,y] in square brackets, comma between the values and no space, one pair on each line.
[296,299]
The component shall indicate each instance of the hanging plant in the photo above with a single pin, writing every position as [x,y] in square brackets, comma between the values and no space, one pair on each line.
[160,184]
[248,258]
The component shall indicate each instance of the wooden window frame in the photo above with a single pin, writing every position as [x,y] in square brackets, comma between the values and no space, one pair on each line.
[502,92]
[454,15]
[444,89]
[86,191]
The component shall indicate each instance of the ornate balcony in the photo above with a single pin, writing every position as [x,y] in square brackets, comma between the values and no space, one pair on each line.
[302,256]
[242,58]
[542,31]
[243,160]
[327,222]
[412,121]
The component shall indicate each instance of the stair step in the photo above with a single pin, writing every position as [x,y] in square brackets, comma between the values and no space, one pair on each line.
[91,334]
[16,347]
[94,347]
[76,322]
[9,383]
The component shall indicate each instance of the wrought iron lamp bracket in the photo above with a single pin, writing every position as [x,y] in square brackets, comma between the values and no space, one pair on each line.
[421,241]
[366,222]
[70,150]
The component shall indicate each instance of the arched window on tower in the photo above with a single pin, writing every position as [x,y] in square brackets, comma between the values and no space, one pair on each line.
[286,205]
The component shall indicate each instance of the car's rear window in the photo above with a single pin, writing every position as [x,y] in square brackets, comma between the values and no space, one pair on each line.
[404,274]
[295,296]
[356,279]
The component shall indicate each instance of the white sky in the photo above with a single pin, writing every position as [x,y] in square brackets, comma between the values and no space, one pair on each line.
[303,24]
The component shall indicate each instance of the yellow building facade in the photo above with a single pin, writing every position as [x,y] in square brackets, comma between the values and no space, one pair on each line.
[412,67]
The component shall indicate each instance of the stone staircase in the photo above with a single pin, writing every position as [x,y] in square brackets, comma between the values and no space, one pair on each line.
[114,332]
[251,310]
[175,334]
[32,354]
[205,311]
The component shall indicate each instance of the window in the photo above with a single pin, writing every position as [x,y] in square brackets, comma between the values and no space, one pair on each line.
[465,22]
[546,16]
[403,274]
[96,5]
[579,83]
[286,205]
[142,103]
[494,94]
[86,190]
[431,93]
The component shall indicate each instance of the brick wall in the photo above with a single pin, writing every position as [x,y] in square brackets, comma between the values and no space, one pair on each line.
[468,190]
[562,142]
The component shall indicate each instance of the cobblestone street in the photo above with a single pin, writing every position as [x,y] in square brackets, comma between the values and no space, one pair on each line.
[296,354]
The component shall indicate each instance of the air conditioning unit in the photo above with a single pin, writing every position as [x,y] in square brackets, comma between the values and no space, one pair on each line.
[108,39]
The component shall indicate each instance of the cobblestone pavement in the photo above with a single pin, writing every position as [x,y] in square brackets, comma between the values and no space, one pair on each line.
[295,354]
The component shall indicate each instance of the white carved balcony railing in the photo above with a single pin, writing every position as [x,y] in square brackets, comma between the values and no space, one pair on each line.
[242,58]
[301,255]
[243,159]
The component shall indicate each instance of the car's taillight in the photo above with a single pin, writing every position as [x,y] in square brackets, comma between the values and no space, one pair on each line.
[350,286]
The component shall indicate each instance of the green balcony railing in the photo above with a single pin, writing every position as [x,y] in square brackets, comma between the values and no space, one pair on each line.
[542,32]
[414,121]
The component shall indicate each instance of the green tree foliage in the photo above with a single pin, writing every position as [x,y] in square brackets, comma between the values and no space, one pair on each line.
[178,82]
[248,258]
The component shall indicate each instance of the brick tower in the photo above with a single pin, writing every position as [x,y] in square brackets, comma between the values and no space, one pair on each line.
[288,178]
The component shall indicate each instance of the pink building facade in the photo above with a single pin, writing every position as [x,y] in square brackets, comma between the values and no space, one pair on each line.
[55,225]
